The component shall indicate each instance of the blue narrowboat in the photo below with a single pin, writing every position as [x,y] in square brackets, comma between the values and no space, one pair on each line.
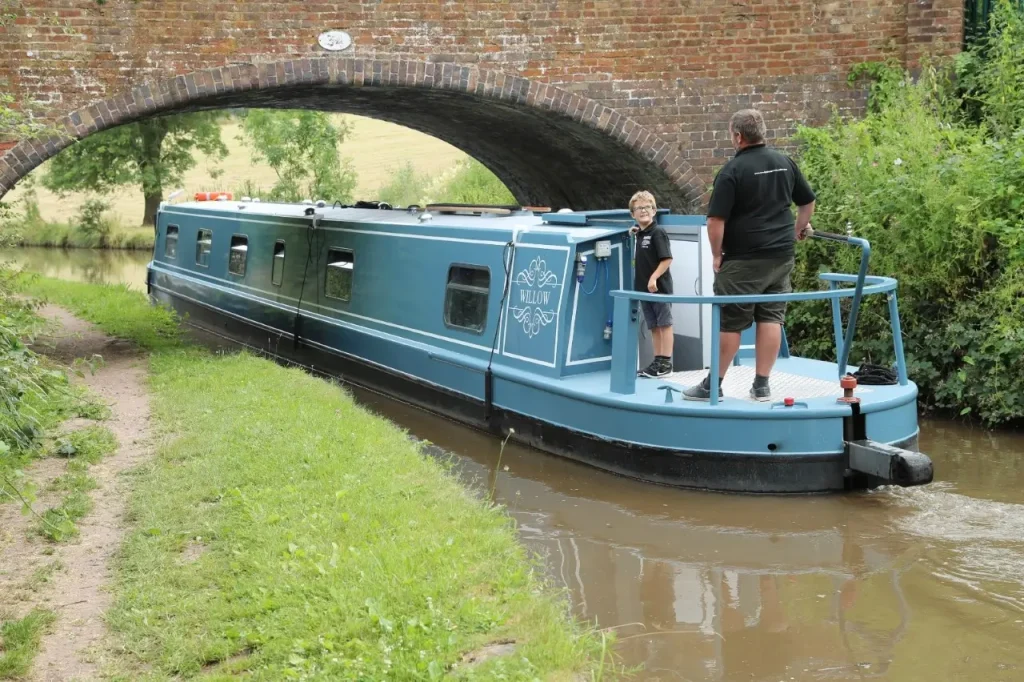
[524,321]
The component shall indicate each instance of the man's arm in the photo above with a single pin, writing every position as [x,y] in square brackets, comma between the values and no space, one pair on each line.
[803,219]
[716,233]
[723,196]
[803,197]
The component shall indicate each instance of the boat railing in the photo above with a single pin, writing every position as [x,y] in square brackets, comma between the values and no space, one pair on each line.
[626,304]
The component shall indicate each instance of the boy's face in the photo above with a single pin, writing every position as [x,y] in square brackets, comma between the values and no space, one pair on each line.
[643,213]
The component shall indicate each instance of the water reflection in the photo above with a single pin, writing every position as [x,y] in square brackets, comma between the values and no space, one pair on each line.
[84,265]
[758,591]
[889,585]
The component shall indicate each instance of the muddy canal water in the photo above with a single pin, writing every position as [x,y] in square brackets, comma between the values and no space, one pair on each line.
[897,584]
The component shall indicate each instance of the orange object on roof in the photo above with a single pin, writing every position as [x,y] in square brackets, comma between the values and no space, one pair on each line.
[213,196]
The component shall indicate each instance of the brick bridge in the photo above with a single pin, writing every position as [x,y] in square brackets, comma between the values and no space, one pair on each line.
[571,103]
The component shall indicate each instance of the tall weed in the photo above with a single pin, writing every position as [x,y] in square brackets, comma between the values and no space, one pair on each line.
[933,177]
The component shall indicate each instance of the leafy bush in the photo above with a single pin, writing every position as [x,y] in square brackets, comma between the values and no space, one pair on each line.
[34,396]
[92,222]
[467,182]
[25,381]
[933,177]
[473,183]
[10,234]
[405,187]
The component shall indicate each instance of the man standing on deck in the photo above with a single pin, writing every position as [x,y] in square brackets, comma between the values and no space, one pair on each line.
[752,235]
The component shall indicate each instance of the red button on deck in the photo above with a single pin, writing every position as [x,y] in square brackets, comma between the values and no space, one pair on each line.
[788,402]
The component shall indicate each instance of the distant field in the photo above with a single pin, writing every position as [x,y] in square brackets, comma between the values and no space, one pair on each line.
[375,147]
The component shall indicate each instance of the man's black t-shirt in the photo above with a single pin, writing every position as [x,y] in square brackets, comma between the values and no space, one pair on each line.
[754,193]
[651,248]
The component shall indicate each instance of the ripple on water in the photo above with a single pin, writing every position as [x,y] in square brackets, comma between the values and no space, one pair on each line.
[982,541]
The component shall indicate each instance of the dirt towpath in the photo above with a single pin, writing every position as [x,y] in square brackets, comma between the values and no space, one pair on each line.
[73,578]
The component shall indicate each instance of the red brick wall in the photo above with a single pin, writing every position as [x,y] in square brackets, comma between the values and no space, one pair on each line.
[676,67]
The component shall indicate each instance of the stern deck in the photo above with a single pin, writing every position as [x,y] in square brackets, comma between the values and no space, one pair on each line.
[784,384]
[813,385]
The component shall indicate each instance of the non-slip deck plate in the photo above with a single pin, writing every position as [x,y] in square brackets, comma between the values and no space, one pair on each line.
[783,384]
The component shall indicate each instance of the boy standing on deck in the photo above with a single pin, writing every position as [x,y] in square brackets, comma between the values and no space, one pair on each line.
[653,258]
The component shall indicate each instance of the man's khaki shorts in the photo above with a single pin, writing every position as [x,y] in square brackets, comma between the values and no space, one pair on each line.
[749,277]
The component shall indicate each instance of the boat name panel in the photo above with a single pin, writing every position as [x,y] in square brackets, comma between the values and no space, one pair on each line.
[535,304]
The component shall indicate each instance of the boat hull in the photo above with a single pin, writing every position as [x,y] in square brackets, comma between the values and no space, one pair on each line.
[703,470]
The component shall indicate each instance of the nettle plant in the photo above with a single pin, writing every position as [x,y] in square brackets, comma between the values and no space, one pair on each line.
[933,176]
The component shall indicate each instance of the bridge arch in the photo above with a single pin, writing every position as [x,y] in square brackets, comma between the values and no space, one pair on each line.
[551,147]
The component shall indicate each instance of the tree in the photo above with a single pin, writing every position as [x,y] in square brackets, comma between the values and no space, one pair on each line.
[154,154]
[302,148]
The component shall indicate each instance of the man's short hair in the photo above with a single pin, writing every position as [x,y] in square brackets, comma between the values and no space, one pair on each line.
[642,195]
[750,124]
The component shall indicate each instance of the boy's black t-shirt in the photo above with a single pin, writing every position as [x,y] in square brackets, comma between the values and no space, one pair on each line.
[754,194]
[651,248]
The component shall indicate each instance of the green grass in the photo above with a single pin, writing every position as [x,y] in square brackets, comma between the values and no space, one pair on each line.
[44,574]
[58,524]
[75,478]
[117,310]
[287,533]
[89,444]
[71,236]
[19,642]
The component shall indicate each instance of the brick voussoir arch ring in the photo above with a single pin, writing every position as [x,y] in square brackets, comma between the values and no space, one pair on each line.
[189,91]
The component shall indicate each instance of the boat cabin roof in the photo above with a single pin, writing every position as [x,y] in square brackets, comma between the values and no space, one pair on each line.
[576,226]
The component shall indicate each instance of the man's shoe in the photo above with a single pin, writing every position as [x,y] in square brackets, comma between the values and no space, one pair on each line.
[761,393]
[701,391]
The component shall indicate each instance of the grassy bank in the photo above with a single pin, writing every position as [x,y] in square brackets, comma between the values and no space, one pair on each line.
[284,532]
[92,228]
[71,236]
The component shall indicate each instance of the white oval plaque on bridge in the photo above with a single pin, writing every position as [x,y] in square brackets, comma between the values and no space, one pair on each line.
[335,40]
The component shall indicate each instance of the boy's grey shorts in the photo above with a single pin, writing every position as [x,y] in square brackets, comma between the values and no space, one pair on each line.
[657,314]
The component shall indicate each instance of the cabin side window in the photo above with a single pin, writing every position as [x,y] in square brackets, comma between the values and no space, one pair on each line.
[277,268]
[340,266]
[237,254]
[171,242]
[204,241]
[465,300]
